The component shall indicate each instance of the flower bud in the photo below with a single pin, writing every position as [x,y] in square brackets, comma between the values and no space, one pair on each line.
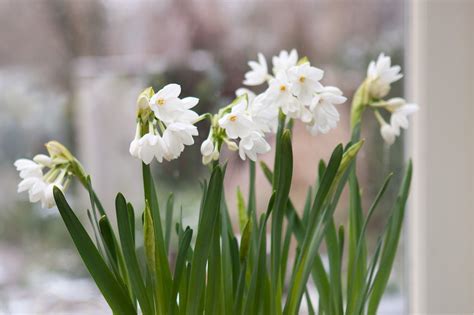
[388,134]
[44,160]
[232,146]
[207,147]
[395,103]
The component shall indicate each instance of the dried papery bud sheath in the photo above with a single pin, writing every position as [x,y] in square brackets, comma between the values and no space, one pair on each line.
[359,103]
[58,151]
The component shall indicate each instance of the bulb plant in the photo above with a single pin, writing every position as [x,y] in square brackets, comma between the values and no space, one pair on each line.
[217,270]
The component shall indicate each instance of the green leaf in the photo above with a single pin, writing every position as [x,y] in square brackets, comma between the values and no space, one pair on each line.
[227,277]
[255,290]
[359,261]
[314,234]
[282,191]
[390,245]
[214,295]
[318,272]
[357,267]
[243,217]
[240,290]
[210,211]
[108,238]
[180,266]
[114,294]
[334,256]
[149,240]
[131,261]
[163,280]
[168,221]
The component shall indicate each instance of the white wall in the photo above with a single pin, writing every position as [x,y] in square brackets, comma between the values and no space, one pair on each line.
[441,217]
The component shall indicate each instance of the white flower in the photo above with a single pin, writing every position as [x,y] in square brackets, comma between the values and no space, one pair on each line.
[259,72]
[284,61]
[305,81]
[176,136]
[150,145]
[166,103]
[36,192]
[381,74]
[134,146]
[279,94]
[28,168]
[264,114]
[252,145]
[238,122]
[399,118]
[242,91]
[388,133]
[325,114]
[47,201]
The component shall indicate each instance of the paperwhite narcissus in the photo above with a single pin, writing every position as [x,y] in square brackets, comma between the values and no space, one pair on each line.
[28,168]
[284,61]
[325,114]
[174,119]
[380,75]
[48,198]
[388,133]
[166,103]
[151,145]
[264,114]
[237,123]
[39,186]
[259,72]
[399,118]
[305,81]
[252,145]
[176,136]
[399,110]
[279,94]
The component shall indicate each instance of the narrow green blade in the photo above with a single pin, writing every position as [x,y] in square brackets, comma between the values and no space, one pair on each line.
[108,285]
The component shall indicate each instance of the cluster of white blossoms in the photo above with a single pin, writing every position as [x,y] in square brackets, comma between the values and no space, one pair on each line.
[380,75]
[294,88]
[165,124]
[39,183]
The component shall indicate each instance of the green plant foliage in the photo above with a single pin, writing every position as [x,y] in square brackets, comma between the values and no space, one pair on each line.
[254,272]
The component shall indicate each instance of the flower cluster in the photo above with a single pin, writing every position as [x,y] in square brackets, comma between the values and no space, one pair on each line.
[236,122]
[165,124]
[380,75]
[294,89]
[38,183]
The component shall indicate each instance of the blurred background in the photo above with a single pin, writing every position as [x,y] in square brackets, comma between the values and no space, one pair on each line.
[71,70]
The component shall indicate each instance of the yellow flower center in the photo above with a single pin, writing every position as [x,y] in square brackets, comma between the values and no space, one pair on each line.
[302,79]
[233,118]
[283,88]
[160,102]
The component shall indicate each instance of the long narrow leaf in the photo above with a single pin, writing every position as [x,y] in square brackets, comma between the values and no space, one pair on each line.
[128,247]
[108,285]
[206,227]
